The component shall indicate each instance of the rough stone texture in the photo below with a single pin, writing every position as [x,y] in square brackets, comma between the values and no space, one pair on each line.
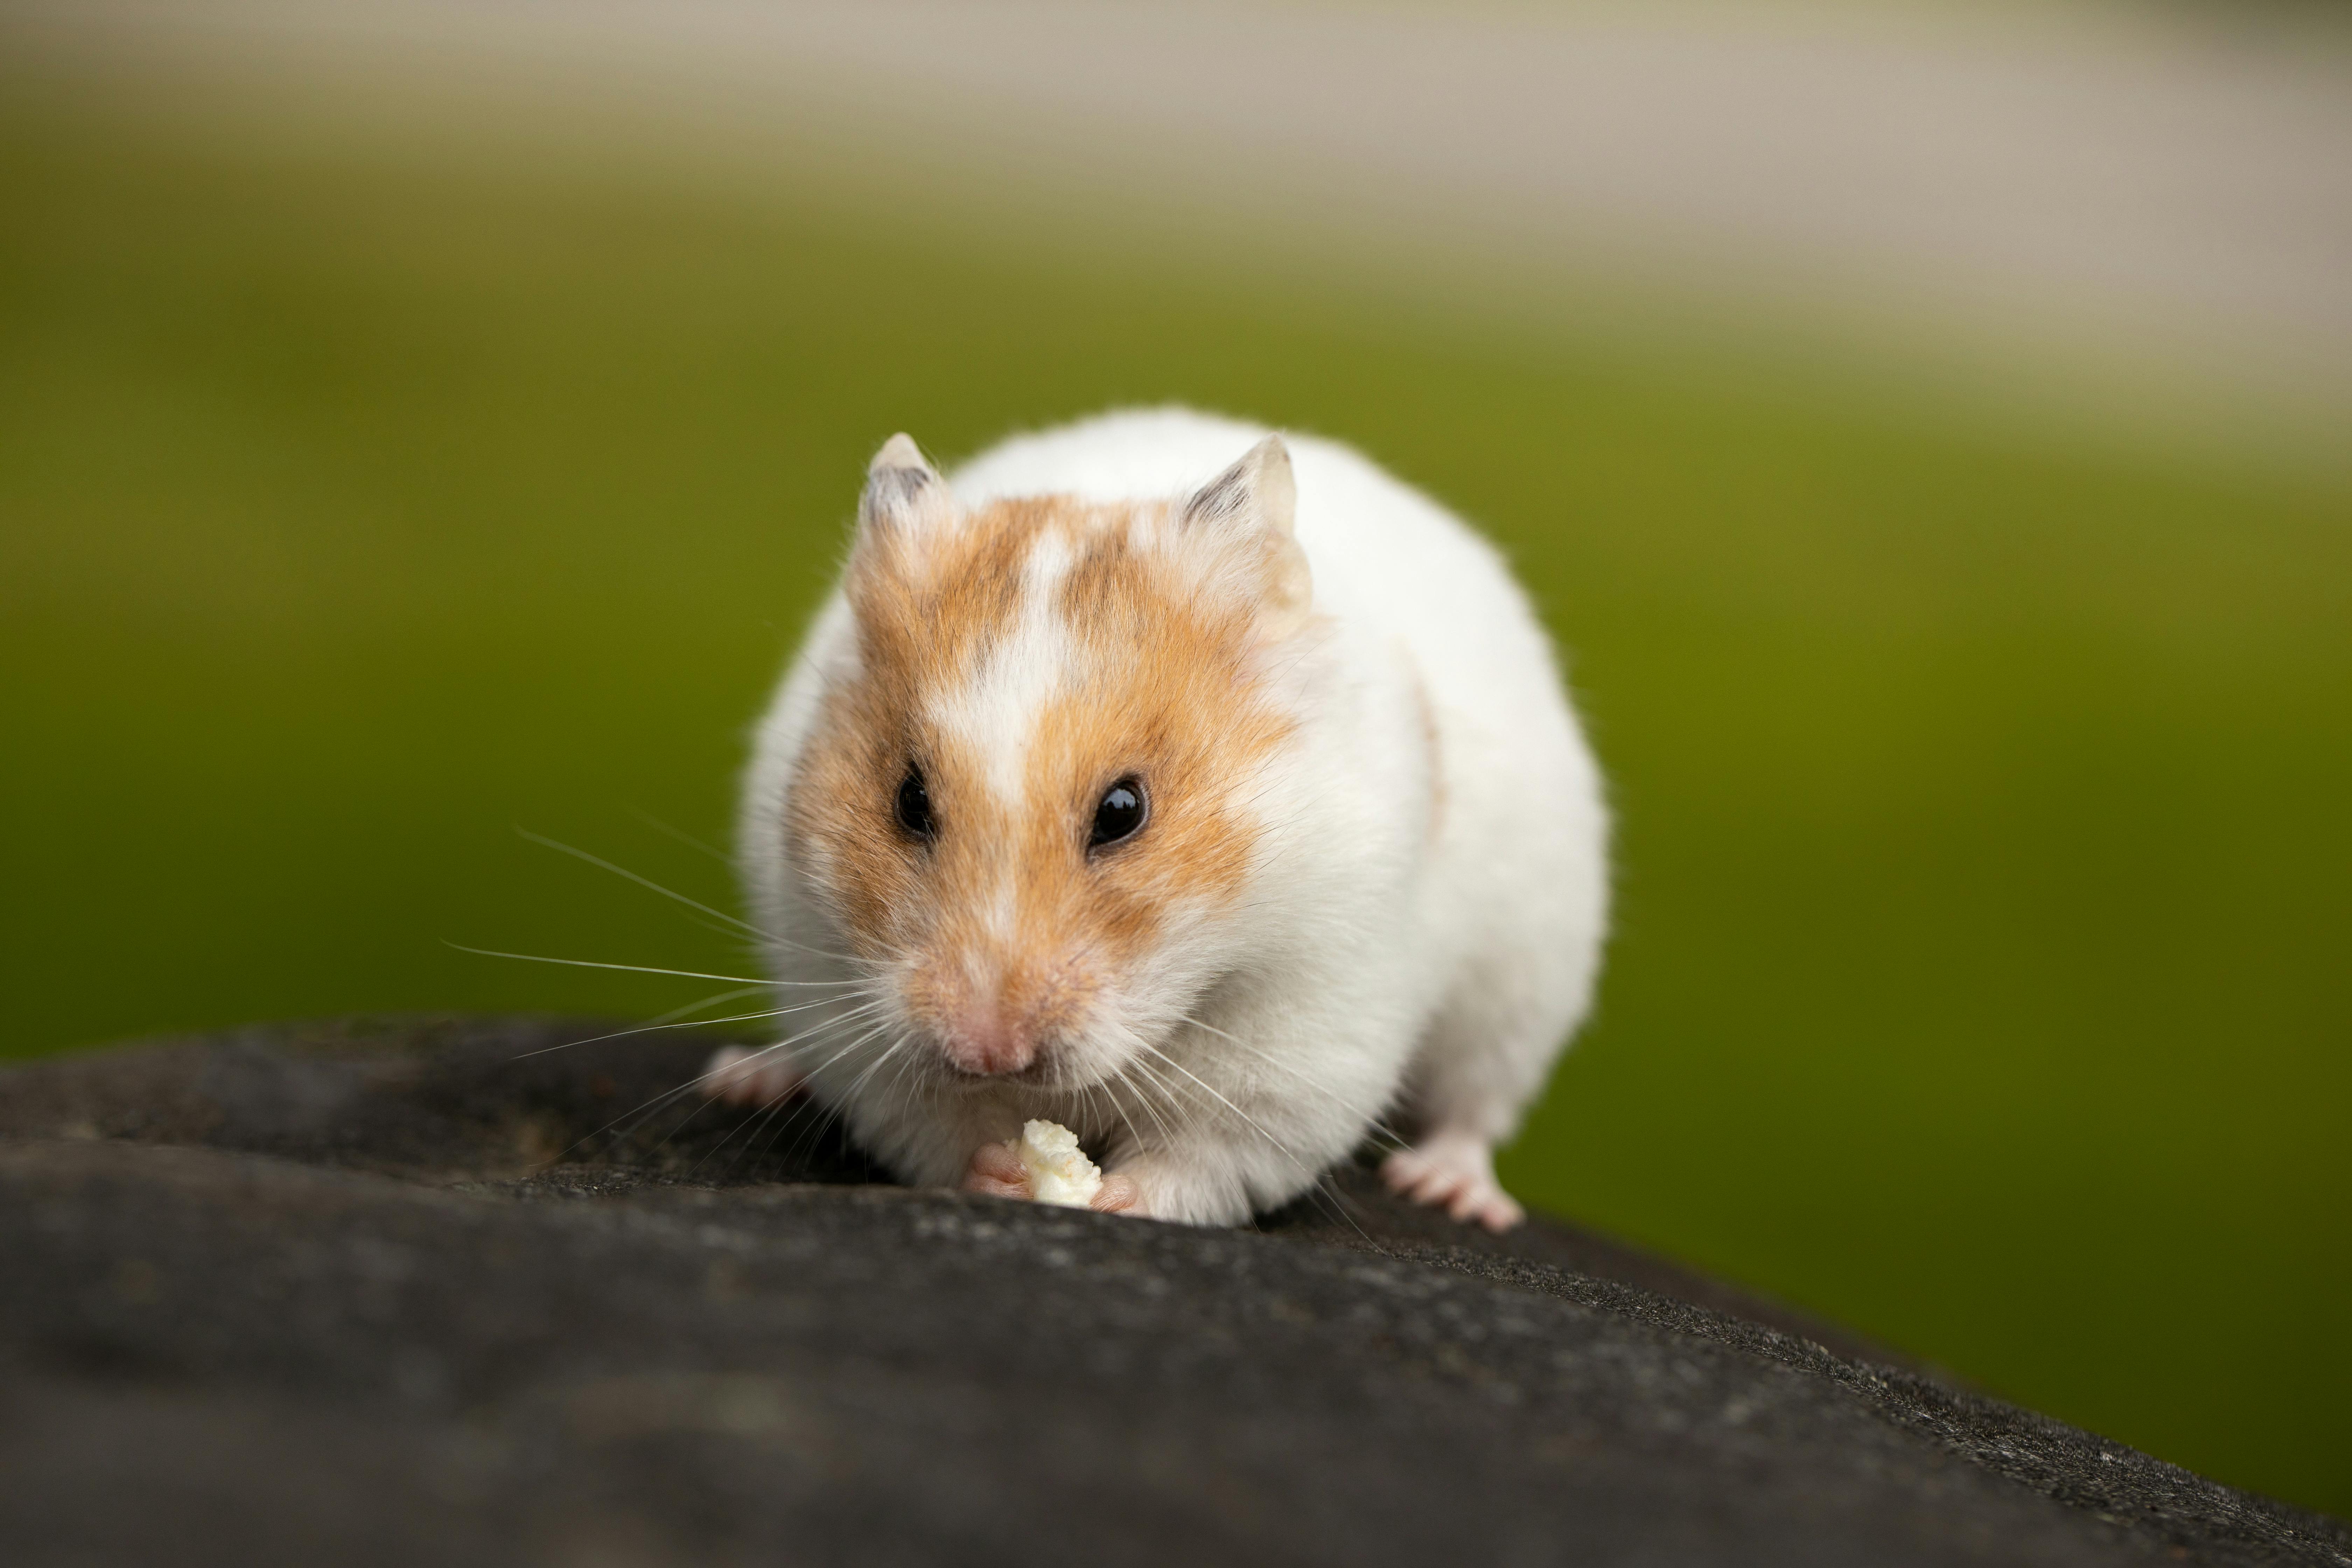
[405,1293]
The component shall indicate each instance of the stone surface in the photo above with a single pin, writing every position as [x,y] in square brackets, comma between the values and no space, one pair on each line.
[436,1291]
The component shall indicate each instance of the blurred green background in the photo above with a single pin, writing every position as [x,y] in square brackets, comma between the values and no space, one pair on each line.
[1986,864]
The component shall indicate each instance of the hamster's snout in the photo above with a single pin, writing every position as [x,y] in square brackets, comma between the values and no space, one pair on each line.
[983,1039]
[995,1015]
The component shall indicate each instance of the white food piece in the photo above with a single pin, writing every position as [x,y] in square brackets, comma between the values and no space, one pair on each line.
[1059,1171]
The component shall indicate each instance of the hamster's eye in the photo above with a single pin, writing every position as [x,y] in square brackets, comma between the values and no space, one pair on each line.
[914,806]
[1119,814]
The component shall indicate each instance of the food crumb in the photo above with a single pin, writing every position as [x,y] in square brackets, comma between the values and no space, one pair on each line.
[1059,1171]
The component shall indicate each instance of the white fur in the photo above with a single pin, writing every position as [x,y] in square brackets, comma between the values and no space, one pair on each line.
[995,713]
[1418,933]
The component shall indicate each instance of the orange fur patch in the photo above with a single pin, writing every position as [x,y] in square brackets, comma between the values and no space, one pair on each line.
[1160,684]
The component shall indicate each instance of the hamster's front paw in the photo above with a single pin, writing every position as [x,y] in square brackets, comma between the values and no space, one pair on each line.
[1455,1171]
[742,1076]
[996,1170]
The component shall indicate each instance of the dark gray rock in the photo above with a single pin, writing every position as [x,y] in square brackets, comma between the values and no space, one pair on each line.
[410,1293]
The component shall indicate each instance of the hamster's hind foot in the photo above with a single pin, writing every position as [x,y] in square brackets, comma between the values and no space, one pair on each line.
[1456,1172]
[742,1076]
[996,1170]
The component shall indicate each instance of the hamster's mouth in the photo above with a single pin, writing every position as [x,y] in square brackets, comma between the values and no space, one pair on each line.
[1048,1069]
[1039,1074]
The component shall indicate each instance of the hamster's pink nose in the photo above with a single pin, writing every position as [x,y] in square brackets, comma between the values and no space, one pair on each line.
[983,1040]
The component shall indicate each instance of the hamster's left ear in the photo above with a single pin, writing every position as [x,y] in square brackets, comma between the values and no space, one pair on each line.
[1254,503]
[902,488]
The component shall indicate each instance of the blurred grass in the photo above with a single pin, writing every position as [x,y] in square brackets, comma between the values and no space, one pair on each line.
[1987,871]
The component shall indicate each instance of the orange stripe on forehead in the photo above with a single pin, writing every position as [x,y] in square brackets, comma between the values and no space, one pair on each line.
[927,603]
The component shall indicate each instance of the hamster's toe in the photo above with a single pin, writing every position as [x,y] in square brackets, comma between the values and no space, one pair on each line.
[742,1076]
[1454,1172]
[997,1171]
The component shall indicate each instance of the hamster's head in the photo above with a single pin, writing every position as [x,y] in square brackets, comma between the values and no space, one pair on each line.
[1033,800]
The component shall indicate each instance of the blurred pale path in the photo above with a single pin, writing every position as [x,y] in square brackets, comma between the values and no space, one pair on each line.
[2169,183]
[415,423]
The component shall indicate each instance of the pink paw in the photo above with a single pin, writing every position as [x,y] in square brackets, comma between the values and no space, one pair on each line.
[997,1171]
[739,1074]
[1456,1172]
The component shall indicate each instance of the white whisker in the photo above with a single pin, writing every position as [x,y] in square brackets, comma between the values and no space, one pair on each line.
[1265,1058]
[663,1021]
[688,839]
[1315,1177]
[746,927]
[1149,1102]
[642,969]
[645,882]
[750,988]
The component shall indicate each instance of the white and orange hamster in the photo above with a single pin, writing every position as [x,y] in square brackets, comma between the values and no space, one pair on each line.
[1208,792]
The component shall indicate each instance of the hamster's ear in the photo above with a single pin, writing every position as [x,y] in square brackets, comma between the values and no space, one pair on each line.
[1255,504]
[902,490]
[1257,491]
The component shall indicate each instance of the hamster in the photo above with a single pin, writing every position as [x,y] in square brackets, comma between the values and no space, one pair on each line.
[1208,792]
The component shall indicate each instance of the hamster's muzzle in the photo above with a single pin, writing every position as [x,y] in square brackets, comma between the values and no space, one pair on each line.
[983,1039]
[998,1015]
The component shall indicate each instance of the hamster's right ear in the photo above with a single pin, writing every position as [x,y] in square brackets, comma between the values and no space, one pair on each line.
[903,491]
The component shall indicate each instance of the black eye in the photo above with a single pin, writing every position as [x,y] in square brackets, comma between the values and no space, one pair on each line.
[1120,812]
[914,806]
